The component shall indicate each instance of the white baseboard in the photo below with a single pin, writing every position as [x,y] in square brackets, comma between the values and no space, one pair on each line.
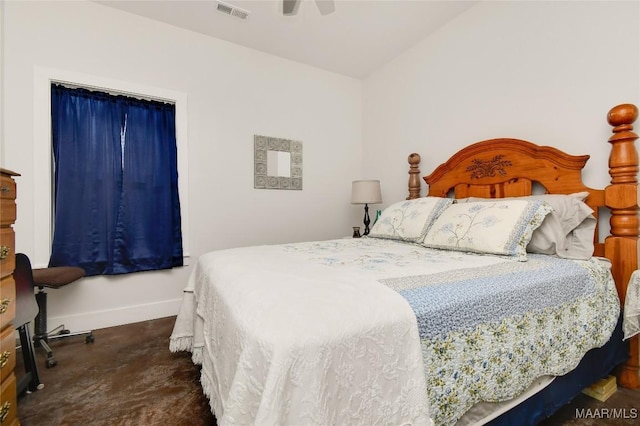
[114,317]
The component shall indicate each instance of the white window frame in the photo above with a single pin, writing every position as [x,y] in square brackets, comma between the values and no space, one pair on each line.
[43,151]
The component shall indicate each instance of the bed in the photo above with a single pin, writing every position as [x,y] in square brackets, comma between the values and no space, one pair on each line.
[449,315]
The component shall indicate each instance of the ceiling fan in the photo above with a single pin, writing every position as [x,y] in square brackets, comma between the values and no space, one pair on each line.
[290,7]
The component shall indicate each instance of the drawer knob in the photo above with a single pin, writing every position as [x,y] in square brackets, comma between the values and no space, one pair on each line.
[4,411]
[4,305]
[4,358]
[5,189]
[4,252]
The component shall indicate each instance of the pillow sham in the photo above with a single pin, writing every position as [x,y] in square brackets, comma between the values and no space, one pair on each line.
[409,220]
[567,232]
[502,227]
[579,242]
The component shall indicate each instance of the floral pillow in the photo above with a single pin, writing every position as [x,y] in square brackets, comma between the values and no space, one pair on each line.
[567,232]
[502,227]
[409,220]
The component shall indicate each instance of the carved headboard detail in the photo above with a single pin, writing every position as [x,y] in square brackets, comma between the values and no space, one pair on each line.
[507,167]
[488,168]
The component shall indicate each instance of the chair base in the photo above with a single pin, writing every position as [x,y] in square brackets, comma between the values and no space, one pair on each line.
[42,336]
[42,341]
[53,277]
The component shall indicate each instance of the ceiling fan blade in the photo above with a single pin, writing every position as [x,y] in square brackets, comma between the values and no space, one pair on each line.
[326,6]
[290,7]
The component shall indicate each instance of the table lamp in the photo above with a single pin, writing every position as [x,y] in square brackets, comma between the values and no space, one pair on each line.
[366,192]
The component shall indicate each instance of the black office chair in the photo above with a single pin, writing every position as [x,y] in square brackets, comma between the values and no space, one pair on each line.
[53,277]
[26,311]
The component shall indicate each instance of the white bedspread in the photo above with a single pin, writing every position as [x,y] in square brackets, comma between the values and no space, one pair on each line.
[308,334]
[299,343]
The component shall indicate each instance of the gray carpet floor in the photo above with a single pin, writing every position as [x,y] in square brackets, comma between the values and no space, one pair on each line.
[129,377]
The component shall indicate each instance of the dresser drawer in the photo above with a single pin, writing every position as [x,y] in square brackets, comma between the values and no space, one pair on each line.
[7,212]
[7,301]
[7,188]
[7,251]
[8,401]
[7,352]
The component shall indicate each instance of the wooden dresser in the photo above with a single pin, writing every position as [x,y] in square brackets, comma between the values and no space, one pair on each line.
[8,397]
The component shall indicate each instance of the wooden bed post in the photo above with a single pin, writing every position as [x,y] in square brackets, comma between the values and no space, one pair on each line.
[414,176]
[622,246]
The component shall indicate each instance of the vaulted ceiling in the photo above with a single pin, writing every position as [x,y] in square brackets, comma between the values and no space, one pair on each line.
[359,37]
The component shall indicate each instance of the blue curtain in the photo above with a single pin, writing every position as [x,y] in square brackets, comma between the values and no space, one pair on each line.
[117,207]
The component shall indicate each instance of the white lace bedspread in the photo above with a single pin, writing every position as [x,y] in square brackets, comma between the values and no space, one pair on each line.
[284,340]
[631,324]
[308,334]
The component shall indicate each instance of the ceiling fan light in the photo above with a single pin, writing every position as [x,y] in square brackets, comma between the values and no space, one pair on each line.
[326,7]
[290,7]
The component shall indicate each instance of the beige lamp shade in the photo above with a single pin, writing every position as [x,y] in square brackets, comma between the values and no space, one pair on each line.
[366,192]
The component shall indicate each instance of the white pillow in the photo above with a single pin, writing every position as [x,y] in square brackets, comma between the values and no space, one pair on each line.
[409,220]
[579,242]
[501,226]
[569,230]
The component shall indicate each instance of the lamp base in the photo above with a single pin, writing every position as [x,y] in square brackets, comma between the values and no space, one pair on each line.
[367,220]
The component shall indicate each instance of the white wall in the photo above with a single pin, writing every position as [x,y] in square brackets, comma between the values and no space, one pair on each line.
[232,93]
[547,72]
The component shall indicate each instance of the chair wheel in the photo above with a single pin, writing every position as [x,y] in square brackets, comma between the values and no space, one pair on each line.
[89,338]
[51,363]
[64,331]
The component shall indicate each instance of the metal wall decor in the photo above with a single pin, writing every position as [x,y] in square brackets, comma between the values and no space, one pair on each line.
[285,175]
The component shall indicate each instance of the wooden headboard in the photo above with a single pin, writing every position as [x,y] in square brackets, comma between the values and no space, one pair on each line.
[499,168]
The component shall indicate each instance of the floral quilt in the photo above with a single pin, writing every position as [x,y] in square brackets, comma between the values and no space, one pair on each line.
[382,331]
[488,326]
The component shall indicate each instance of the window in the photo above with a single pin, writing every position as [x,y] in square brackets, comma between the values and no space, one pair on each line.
[116,202]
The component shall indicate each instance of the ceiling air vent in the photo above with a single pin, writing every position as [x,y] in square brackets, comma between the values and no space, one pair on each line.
[231,10]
